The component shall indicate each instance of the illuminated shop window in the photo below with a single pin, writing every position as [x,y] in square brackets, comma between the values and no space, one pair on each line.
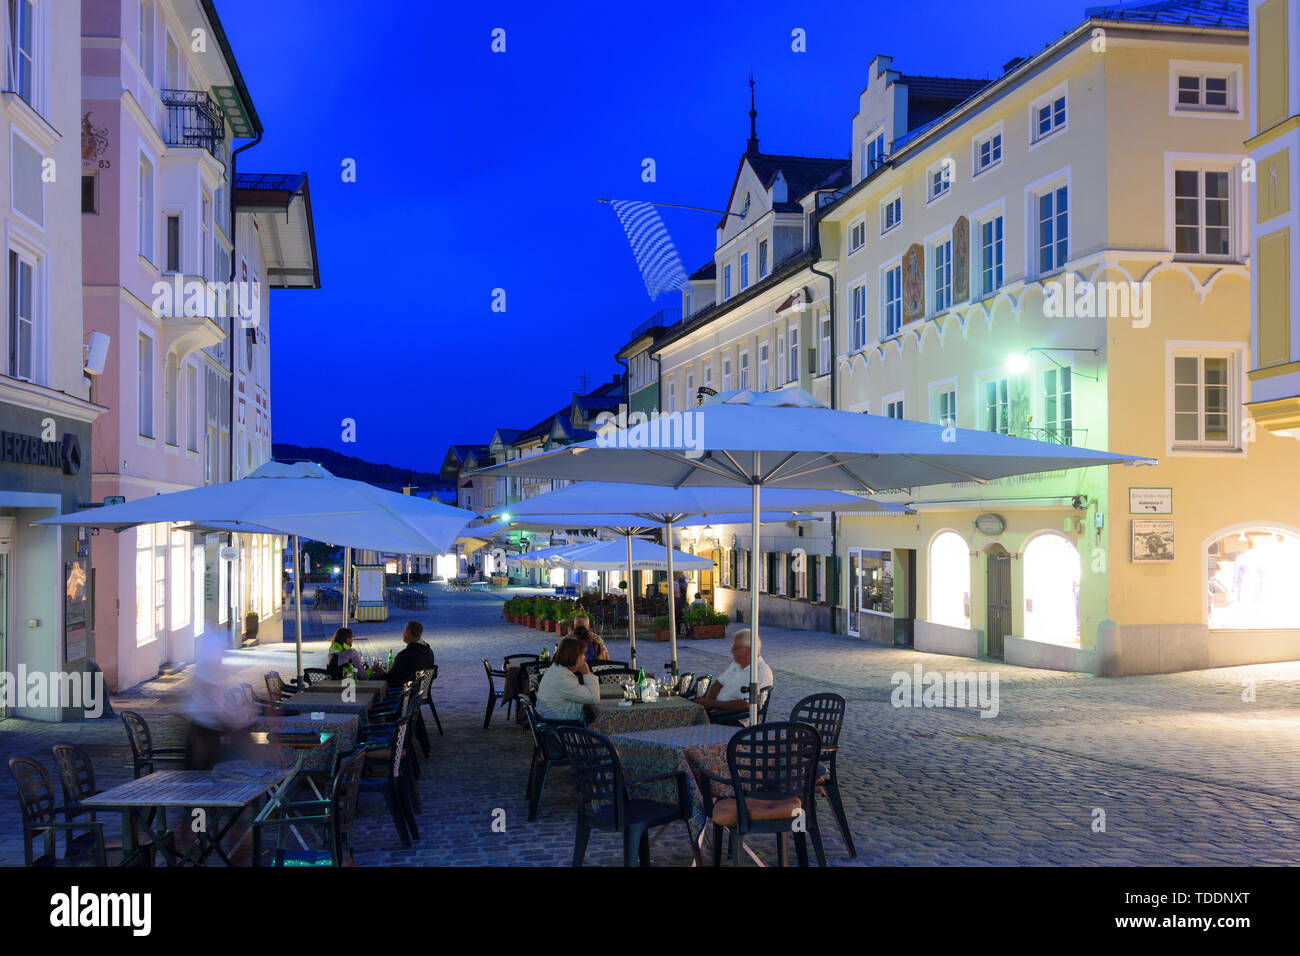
[1052,572]
[1252,577]
[950,580]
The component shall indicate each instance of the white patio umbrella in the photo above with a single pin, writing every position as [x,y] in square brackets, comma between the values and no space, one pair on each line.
[788,438]
[302,500]
[683,506]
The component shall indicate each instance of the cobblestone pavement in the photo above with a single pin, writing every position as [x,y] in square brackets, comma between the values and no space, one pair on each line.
[1184,770]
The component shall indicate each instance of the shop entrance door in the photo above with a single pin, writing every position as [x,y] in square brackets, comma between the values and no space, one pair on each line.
[998,593]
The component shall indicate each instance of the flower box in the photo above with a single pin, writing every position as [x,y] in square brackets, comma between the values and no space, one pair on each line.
[704,632]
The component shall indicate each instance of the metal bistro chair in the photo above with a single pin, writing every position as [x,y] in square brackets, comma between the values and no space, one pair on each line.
[39,812]
[144,755]
[314,675]
[516,660]
[277,688]
[773,773]
[548,752]
[685,684]
[605,801]
[335,818]
[494,692]
[384,774]
[826,712]
[428,698]
[700,686]
[738,717]
[77,776]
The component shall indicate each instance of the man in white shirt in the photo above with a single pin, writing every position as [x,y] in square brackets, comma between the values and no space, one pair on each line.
[727,691]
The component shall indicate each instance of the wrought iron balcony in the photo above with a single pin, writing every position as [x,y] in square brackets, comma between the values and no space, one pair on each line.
[1058,436]
[194,119]
[662,319]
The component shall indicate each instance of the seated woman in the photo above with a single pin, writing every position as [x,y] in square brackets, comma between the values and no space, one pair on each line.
[567,685]
[343,661]
[596,649]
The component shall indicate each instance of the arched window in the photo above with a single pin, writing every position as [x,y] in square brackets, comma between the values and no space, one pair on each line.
[1252,575]
[949,580]
[1052,572]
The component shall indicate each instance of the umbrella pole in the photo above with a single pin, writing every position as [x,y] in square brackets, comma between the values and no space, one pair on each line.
[672,601]
[347,584]
[631,606]
[297,600]
[753,610]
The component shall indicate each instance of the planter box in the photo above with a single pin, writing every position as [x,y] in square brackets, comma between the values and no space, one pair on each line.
[704,632]
[549,626]
[530,621]
[661,635]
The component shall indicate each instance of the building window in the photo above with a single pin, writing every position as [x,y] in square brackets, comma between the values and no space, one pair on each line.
[857,235]
[708,375]
[873,149]
[988,151]
[22,48]
[726,281]
[1202,213]
[90,192]
[1052,228]
[1048,115]
[793,357]
[939,180]
[1252,574]
[744,271]
[27,182]
[943,405]
[1205,87]
[824,347]
[192,407]
[891,213]
[1204,394]
[990,255]
[941,274]
[689,396]
[726,373]
[894,406]
[858,314]
[891,285]
[1058,406]
[780,358]
[180,580]
[950,580]
[145,208]
[171,401]
[763,379]
[762,258]
[146,39]
[995,409]
[205,240]
[1052,573]
[22,317]
[145,631]
[144,386]
[672,397]
[173,256]
[744,369]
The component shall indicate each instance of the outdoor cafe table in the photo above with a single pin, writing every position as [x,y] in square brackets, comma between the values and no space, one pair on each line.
[342,728]
[310,702]
[376,688]
[223,797]
[612,717]
[701,747]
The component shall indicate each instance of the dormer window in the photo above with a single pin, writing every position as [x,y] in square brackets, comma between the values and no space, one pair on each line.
[744,210]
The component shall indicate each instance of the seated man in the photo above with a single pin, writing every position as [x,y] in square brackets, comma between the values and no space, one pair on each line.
[414,657]
[726,693]
[568,685]
[699,600]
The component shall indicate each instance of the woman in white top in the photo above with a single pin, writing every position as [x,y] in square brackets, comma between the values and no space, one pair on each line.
[567,685]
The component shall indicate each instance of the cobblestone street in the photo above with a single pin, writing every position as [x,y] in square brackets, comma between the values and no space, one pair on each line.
[1183,769]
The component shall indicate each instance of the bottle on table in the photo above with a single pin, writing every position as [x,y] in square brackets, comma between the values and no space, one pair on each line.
[640,683]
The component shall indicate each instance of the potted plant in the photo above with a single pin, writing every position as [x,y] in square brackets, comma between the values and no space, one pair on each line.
[704,623]
[660,625]
[549,614]
[527,609]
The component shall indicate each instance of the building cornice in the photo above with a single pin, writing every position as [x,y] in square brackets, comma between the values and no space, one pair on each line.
[38,398]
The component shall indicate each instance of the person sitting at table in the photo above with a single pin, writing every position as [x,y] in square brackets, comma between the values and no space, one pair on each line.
[343,662]
[699,600]
[567,685]
[414,657]
[596,649]
[727,692]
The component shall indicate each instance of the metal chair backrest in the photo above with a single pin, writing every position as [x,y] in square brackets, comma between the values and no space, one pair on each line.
[614,675]
[764,698]
[773,762]
[423,684]
[544,738]
[515,659]
[685,684]
[491,674]
[824,711]
[76,773]
[137,734]
[275,686]
[36,797]
[533,674]
[597,773]
[343,803]
[314,675]
[701,686]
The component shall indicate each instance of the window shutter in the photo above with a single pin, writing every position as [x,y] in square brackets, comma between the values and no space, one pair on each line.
[813,561]
[790,576]
[833,580]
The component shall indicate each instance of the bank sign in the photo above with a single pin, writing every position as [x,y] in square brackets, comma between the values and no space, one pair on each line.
[19,449]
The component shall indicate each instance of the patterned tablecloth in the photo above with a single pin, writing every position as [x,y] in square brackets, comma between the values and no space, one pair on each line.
[308,702]
[613,718]
[376,688]
[698,747]
[344,727]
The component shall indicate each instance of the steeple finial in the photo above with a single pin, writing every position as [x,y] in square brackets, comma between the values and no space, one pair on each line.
[752,146]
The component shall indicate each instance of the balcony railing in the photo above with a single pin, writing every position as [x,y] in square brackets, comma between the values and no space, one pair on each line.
[194,119]
[1058,436]
[660,320]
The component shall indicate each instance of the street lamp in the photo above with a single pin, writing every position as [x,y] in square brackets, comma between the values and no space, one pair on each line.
[1018,364]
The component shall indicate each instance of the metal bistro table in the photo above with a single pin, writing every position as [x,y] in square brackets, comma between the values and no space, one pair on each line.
[210,790]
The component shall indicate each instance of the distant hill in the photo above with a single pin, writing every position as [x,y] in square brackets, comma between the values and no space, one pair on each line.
[358,469]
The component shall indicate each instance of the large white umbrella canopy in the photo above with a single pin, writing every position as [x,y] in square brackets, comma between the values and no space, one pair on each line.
[788,438]
[646,555]
[300,499]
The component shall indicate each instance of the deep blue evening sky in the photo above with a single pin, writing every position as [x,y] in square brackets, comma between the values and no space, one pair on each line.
[478,170]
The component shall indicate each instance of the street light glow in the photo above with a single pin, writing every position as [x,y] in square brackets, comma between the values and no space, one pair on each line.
[1017,364]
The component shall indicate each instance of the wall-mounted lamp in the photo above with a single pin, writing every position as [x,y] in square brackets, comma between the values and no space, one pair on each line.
[1019,364]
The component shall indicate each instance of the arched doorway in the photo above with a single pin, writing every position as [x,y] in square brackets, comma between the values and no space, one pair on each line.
[949,580]
[1052,573]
